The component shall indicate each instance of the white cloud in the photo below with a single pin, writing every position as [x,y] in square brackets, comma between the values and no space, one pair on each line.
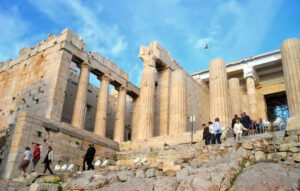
[15,33]
[85,20]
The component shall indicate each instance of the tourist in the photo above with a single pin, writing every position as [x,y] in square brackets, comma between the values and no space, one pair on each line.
[233,122]
[206,134]
[260,126]
[238,130]
[25,161]
[211,131]
[246,121]
[48,159]
[252,127]
[36,156]
[218,130]
[89,157]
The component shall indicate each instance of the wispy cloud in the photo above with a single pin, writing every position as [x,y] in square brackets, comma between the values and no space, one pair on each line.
[86,20]
[14,33]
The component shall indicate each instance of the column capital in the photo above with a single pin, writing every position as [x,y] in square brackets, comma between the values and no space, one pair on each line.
[104,78]
[84,65]
[121,87]
[147,56]
[249,71]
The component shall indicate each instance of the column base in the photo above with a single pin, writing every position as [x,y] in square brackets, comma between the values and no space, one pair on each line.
[293,123]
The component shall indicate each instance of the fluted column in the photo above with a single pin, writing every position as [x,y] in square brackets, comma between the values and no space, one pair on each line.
[120,115]
[164,101]
[178,103]
[235,96]
[146,102]
[290,52]
[218,90]
[101,114]
[252,97]
[80,101]
[135,120]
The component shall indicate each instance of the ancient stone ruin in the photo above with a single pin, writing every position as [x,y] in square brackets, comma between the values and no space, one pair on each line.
[46,98]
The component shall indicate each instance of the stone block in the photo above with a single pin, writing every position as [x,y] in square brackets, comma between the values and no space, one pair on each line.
[294,149]
[43,186]
[195,163]
[259,155]
[140,173]
[151,173]
[283,147]
[169,165]
[242,154]
[247,145]
[296,157]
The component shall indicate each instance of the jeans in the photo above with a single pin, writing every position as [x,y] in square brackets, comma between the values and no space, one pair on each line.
[47,167]
[213,139]
[218,137]
[207,140]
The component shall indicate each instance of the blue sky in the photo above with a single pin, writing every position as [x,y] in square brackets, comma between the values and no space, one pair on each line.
[233,29]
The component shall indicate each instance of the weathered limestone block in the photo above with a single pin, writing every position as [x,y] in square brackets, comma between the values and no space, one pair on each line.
[290,50]
[219,96]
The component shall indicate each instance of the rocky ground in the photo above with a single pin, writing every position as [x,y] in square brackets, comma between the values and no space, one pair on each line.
[223,174]
[259,163]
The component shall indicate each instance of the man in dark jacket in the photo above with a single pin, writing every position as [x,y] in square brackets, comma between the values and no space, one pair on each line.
[206,134]
[246,121]
[89,157]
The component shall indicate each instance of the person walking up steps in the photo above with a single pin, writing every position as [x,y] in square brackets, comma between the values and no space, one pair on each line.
[25,161]
[48,159]
[36,156]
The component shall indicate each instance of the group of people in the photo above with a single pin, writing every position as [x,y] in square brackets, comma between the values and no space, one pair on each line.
[213,132]
[241,127]
[36,155]
[252,127]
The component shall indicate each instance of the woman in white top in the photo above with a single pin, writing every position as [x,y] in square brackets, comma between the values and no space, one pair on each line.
[25,161]
[238,130]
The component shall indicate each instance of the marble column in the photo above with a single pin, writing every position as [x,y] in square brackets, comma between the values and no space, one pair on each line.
[135,120]
[120,115]
[250,82]
[164,101]
[290,52]
[101,114]
[178,103]
[218,90]
[80,101]
[146,102]
[235,96]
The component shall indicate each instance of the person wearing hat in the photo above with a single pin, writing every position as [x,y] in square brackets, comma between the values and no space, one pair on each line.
[48,159]
[89,157]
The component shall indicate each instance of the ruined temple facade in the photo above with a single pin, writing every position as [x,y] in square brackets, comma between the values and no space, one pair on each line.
[46,98]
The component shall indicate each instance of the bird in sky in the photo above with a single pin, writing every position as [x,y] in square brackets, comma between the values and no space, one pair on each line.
[206,46]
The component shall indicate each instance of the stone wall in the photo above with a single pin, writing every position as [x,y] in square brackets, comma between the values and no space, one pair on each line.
[33,81]
[69,144]
[254,148]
